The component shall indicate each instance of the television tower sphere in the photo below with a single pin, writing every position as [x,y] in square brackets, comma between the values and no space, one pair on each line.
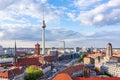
[43,25]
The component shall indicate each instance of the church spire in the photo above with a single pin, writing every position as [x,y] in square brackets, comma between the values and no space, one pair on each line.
[15,54]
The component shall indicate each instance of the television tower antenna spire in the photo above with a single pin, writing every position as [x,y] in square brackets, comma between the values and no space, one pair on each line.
[43,33]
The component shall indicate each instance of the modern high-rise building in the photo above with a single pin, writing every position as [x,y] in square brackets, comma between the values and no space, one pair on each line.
[109,50]
[62,46]
[76,49]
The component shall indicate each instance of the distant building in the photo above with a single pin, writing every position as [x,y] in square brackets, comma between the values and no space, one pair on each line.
[114,59]
[21,53]
[37,49]
[8,51]
[86,72]
[84,49]
[52,52]
[12,73]
[96,50]
[88,60]
[6,60]
[1,51]
[76,49]
[109,50]
[112,67]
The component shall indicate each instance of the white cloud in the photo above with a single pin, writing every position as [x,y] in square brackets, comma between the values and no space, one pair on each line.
[71,16]
[104,14]
[20,20]
[5,3]
[43,1]
[29,36]
[1,34]
[23,10]
[83,4]
[98,18]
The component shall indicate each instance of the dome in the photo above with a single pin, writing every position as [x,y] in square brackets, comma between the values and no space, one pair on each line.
[109,44]
[37,44]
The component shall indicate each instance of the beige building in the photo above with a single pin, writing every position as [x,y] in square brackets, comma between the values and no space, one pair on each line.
[88,60]
[109,50]
[52,52]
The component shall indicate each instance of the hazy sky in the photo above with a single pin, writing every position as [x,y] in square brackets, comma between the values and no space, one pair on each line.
[90,23]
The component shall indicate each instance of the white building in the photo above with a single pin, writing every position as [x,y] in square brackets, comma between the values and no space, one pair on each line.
[6,60]
[51,52]
[112,67]
[84,49]
[8,52]
[46,69]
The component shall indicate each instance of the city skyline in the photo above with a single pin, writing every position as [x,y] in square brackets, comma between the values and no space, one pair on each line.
[77,22]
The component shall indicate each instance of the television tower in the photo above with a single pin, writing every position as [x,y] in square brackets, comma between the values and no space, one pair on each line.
[43,34]
[15,50]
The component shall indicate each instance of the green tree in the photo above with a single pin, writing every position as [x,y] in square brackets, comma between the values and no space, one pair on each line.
[4,67]
[108,74]
[33,73]
[4,56]
[81,57]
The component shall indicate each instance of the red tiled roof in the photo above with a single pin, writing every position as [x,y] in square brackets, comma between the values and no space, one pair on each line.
[115,52]
[13,71]
[91,52]
[62,76]
[87,57]
[68,72]
[48,58]
[21,52]
[73,69]
[97,52]
[82,78]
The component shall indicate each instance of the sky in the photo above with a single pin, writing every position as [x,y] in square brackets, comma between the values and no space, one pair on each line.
[89,23]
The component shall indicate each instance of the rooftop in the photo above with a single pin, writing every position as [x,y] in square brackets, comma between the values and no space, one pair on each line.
[11,72]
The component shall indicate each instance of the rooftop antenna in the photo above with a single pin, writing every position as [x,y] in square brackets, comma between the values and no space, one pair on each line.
[43,11]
